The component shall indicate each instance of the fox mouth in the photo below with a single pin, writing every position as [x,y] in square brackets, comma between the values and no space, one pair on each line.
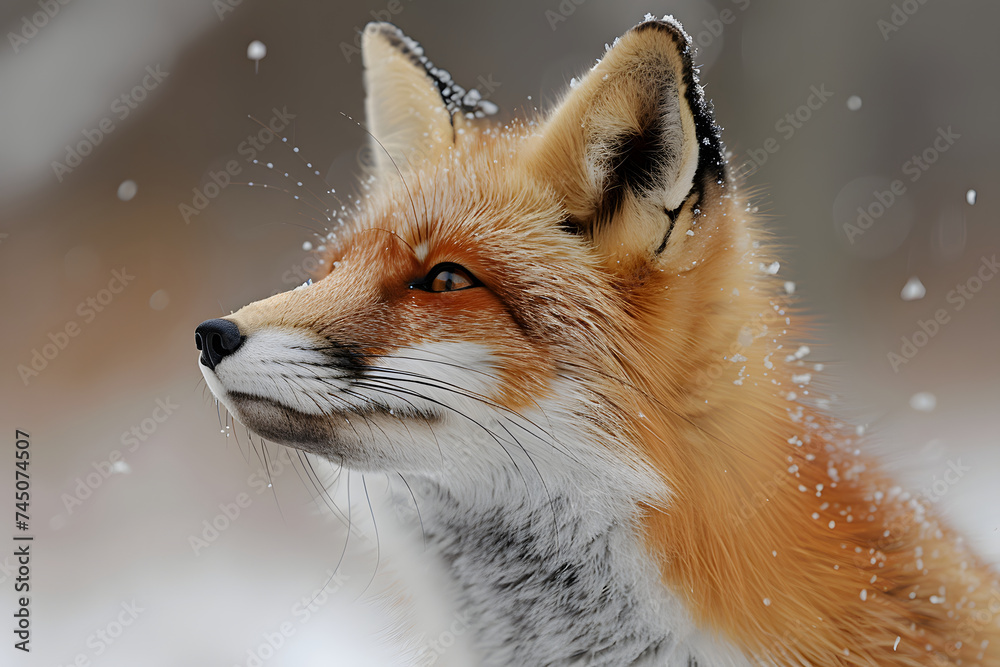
[333,433]
[291,389]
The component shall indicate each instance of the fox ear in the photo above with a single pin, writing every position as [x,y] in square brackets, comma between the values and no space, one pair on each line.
[631,143]
[409,103]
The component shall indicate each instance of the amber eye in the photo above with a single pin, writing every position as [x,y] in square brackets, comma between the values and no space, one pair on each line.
[447,277]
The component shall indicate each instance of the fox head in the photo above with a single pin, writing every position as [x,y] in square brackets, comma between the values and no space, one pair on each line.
[538,293]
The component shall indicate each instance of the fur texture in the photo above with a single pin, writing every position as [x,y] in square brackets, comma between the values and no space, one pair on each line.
[611,433]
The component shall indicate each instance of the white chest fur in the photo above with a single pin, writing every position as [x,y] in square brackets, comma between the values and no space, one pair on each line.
[557,580]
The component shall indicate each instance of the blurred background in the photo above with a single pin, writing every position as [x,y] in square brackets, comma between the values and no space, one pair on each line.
[867,131]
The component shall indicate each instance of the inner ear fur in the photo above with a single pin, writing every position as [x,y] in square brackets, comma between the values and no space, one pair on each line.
[403,107]
[411,106]
[631,142]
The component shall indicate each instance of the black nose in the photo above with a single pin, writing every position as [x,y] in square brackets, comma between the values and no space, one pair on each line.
[217,339]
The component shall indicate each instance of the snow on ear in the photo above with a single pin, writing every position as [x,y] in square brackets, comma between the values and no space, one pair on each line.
[631,142]
[410,103]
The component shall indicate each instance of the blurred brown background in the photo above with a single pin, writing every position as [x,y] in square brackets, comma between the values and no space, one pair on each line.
[921,72]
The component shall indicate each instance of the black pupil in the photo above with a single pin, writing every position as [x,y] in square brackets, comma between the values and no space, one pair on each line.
[446,277]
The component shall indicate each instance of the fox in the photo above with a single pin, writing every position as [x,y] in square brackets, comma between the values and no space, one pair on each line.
[565,331]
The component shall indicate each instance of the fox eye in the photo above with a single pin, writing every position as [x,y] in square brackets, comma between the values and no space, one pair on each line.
[447,277]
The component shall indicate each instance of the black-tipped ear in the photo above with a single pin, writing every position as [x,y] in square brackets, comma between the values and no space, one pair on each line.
[631,141]
[410,103]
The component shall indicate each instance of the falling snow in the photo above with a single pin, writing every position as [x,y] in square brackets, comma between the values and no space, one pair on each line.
[159,300]
[913,290]
[799,353]
[256,50]
[923,402]
[127,190]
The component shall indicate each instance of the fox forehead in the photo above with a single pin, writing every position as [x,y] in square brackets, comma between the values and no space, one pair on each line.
[478,191]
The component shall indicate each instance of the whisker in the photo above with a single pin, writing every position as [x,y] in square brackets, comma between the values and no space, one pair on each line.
[252,184]
[420,518]
[395,166]
[391,390]
[321,490]
[295,149]
[545,488]
[416,378]
[347,540]
[447,363]
[366,399]
[548,495]
[270,482]
[378,543]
